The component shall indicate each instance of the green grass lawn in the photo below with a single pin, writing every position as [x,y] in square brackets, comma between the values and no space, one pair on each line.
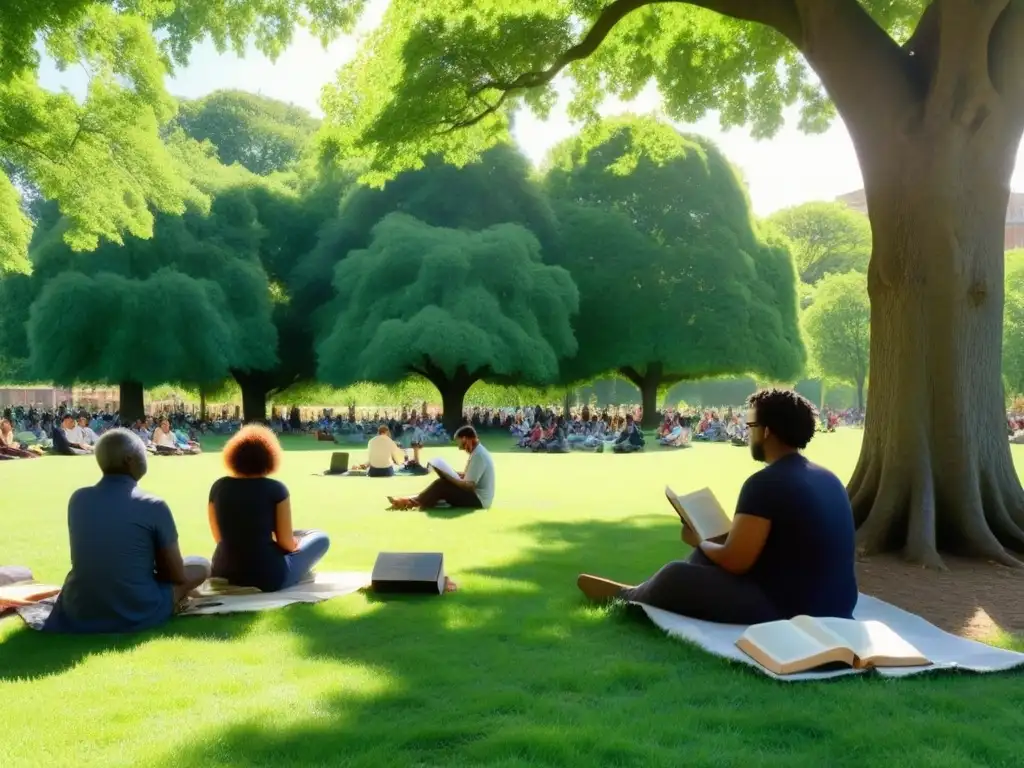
[513,670]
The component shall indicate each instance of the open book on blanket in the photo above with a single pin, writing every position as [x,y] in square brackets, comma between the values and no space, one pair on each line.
[700,511]
[443,468]
[804,643]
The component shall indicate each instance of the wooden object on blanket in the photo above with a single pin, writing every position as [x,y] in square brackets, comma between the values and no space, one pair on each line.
[701,512]
[409,572]
[339,463]
[217,586]
[804,643]
[17,595]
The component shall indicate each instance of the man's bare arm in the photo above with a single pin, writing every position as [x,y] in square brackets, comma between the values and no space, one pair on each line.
[742,546]
[170,567]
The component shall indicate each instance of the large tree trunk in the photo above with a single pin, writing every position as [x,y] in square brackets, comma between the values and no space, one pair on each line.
[936,124]
[132,406]
[453,397]
[255,386]
[935,471]
[453,391]
[648,383]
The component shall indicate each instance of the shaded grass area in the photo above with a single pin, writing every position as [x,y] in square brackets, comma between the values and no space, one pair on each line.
[513,670]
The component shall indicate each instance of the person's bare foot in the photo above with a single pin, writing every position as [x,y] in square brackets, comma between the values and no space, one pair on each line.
[449,585]
[598,589]
[397,503]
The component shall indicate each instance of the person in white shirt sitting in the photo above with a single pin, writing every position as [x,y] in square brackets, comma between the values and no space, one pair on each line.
[164,440]
[384,454]
[76,435]
[89,437]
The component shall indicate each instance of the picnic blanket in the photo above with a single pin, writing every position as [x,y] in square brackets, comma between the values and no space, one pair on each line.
[218,597]
[946,651]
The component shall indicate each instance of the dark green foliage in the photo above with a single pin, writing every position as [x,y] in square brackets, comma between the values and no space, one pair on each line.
[261,134]
[454,306]
[107,327]
[675,281]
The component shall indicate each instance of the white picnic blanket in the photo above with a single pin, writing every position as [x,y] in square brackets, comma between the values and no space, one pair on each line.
[324,587]
[945,650]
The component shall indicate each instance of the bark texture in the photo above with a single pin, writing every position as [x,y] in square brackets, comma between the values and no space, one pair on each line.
[255,386]
[936,137]
[648,382]
[453,389]
[132,406]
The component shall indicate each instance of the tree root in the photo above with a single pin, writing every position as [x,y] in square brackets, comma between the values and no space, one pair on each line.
[978,513]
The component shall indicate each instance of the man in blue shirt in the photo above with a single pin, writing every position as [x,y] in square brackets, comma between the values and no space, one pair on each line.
[127,573]
[790,549]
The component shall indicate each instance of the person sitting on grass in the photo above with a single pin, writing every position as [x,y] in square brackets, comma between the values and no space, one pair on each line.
[10,448]
[250,519]
[631,439]
[63,445]
[383,454]
[127,573]
[790,550]
[472,489]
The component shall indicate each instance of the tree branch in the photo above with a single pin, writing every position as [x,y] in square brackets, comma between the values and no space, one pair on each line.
[631,373]
[779,14]
[865,72]
[1006,59]
[26,146]
[961,88]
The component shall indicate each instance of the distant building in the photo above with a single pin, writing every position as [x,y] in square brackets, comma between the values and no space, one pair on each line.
[51,398]
[1014,232]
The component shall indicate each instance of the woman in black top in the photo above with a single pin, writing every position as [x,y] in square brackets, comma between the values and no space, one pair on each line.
[251,519]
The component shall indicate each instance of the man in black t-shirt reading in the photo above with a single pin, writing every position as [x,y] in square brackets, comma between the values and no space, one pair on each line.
[790,550]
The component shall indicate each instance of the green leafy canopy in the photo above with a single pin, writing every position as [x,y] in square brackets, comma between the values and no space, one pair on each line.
[440,301]
[827,237]
[102,159]
[837,326]
[673,274]
[479,61]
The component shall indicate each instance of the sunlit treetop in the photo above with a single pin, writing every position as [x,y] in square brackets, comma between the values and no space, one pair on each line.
[445,76]
[101,158]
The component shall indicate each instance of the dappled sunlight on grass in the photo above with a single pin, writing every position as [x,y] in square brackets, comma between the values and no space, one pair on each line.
[514,669]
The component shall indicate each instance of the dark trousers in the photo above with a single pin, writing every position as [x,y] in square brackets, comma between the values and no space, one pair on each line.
[698,588]
[442,490]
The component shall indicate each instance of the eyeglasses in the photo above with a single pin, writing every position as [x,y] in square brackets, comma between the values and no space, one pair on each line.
[753,424]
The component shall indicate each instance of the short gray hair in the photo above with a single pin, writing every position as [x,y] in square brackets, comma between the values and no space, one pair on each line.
[117,448]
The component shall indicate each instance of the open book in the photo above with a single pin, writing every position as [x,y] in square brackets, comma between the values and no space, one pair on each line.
[804,642]
[700,511]
[443,469]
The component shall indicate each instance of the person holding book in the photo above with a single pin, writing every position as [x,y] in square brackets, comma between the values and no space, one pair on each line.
[789,549]
[472,489]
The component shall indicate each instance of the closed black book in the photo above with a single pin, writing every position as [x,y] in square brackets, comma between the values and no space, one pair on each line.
[409,572]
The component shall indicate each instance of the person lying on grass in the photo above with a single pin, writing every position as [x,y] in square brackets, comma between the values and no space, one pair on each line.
[473,489]
[127,573]
[250,519]
[790,550]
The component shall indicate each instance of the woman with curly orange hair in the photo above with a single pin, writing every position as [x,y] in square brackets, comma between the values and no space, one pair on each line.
[251,519]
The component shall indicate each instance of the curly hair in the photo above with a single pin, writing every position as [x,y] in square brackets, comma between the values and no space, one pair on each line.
[790,416]
[253,452]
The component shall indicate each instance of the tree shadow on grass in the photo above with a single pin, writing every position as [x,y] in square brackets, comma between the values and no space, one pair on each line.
[516,669]
[27,654]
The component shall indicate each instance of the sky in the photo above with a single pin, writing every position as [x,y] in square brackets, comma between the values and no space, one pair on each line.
[789,169]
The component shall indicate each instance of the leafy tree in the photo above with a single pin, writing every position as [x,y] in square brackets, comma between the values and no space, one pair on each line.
[827,238]
[675,283]
[452,306]
[111,328]
[264,135]
[102,159]
[202,256]
[838,329]
[1013,324]
[931,93]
